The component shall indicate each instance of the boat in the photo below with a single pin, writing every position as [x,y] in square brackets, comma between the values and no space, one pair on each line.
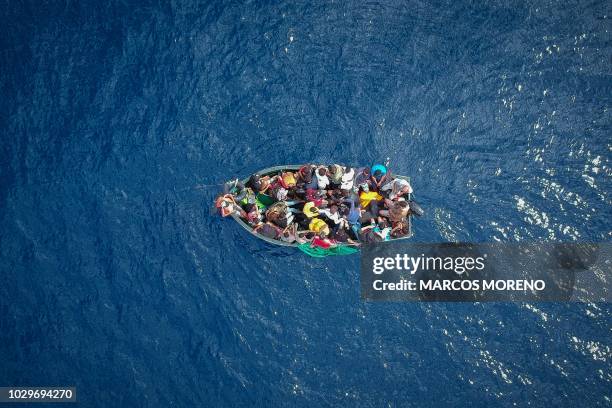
[271,171]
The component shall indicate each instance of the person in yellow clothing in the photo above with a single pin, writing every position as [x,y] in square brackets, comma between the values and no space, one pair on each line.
[318,226]
[366,197]
[310,210]
[289,179]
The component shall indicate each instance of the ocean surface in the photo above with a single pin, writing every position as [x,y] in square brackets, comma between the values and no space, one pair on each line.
[119,120]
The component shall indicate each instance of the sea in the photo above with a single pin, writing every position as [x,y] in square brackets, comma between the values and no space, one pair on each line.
[120,120]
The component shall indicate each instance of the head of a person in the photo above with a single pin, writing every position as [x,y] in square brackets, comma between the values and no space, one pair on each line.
[341,235]
[225,205]
[343,209]
[281,194]
[307,175]
[322,171]
[366,217]
[333,209]
[268,230]
[378,175]
[254,179]
[366,171]
[311,212]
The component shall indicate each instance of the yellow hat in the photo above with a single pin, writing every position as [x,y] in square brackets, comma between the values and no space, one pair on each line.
[310,210]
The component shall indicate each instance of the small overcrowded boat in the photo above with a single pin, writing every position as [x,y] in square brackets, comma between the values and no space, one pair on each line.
[322,209]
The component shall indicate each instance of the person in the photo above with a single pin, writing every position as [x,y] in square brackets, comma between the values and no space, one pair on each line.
[305,179]
[310,210]
[331,213]
[236,188]
[383,229]
[249,197]
[279,193]
[302,237]
[367,198]
[253,182]
[253,215]
[226,204]
[289,180]
[342,235]
[368,234]
[335,173]
[400,229]
[304,174]
[379,176]
[322,179]
[397,210]
[267,229]
[316,196]
[334,218]
[259,184]
[279,214]
[383,233]
[347,179]
[289,234]
[379,167]
[353,213]
[397,188]
[318,226]
[277,189]
[322,241]
[336,195]
[363,178]
[366,218]
[353,216]
[277,181]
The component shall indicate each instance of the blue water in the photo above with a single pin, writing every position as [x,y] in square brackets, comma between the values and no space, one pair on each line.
[119,119]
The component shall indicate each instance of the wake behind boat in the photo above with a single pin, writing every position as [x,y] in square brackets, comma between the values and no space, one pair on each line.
[323,210]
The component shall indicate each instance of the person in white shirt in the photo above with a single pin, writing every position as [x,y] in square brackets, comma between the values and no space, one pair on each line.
[322,179]
[399,187]
[347,179]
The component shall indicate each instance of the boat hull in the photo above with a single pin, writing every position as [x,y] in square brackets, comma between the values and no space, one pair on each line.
[294,167]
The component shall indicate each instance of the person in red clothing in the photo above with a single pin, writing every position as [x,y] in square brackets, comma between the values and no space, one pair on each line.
[322,241]
[316,196]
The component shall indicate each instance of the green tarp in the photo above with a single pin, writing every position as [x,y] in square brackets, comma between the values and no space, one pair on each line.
[318,252]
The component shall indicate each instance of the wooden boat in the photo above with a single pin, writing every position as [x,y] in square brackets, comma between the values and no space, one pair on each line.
[271,171]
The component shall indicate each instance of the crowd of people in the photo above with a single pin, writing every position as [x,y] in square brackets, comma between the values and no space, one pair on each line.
[323,205]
